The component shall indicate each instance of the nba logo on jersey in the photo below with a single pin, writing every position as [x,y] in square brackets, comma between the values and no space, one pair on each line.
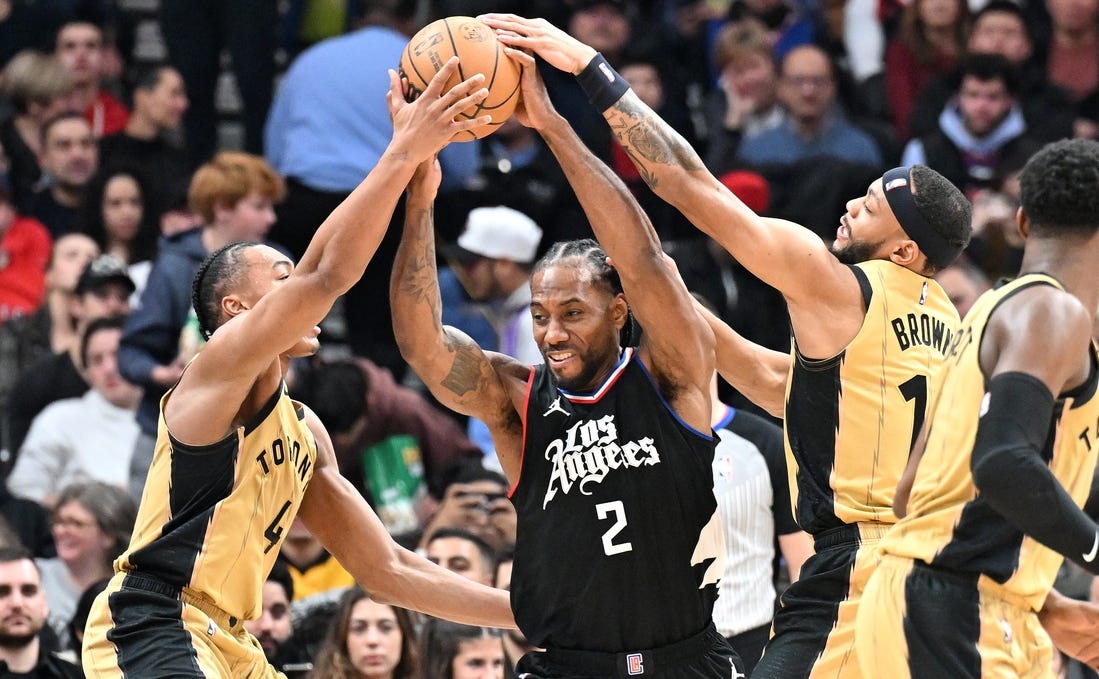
[634,666]
[212,628]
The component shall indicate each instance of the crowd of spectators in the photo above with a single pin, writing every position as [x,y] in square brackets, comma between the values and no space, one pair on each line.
[113,189]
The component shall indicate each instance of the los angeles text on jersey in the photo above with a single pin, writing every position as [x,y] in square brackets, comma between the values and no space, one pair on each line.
[282,450]
[922,330]
[588,452]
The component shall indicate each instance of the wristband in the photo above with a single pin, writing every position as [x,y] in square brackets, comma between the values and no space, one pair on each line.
[601,83]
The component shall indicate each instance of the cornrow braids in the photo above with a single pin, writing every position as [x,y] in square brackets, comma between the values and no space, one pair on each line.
[207,285]
[591,255]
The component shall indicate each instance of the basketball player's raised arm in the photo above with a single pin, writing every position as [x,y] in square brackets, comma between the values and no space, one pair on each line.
[339,251]
[1036,346]
[340,518]
[681,344]
[755,371]
[463,377]
[786,256]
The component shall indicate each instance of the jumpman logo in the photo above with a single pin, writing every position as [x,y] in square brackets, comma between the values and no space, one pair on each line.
[555,407]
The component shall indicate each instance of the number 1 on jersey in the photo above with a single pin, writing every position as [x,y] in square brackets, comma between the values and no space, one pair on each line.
[915,389]
[605,509]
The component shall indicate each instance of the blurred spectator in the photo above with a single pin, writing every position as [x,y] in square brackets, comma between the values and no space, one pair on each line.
[80,616]
[234,194]
[982,133]
[814,125]
[27,25]
[103,290]
[311,567]
[23,611]
[474,499]
[362,406]
[24,254]
[28,523]
[1072,61]
[1000,27]
[327,128]
[1086,125]
[159,100]
[753,496]
[369,639]
[997,244]
[87,438]
[788,25]
[274,627]
[453,651]
[92,524]
[492,260]
[963,283]
[464,553]
[80,48]
[489,280]
[745,102]
[69,158]
[196,32]
[931,40]
[515,644]
[117,219]
[38,87]
[28,339]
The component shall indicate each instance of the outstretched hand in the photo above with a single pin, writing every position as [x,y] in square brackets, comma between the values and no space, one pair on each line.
[557,47]
[1073,626]
[423,127]
[535,109]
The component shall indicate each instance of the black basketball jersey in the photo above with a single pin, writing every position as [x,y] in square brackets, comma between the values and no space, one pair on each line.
[619,543]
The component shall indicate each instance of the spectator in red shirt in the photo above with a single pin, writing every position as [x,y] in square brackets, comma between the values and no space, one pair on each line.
[24,251]
[79,46]
[931,39]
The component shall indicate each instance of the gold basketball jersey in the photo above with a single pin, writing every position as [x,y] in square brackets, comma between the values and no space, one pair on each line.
[213,517]
[948,525]
[851,419]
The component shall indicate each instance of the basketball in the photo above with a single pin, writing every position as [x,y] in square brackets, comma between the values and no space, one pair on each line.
[478,52]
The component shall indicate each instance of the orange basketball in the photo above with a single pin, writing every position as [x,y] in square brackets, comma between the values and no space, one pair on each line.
[478,52]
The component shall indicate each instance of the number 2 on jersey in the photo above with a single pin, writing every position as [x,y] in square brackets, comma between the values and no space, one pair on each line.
[617,511]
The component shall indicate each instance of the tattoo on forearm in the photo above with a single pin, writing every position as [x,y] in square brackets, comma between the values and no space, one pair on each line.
[650,141]
[465,371]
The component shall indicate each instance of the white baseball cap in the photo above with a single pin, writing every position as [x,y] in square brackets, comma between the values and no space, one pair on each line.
[497,233]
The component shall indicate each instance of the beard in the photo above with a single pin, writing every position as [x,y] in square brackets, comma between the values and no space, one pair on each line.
[16,641]
[856,251]
[583,379]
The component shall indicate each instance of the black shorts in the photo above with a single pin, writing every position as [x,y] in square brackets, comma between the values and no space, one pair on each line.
[707,655]
[814,628]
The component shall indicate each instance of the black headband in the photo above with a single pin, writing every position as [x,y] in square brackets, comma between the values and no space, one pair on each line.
[898,192]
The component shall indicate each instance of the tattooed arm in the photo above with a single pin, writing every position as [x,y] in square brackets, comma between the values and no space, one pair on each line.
[785,255]
[485,385]
[676,346]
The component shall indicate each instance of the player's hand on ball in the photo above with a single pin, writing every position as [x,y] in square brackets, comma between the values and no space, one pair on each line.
[423,127]
[560,49]
[535,109]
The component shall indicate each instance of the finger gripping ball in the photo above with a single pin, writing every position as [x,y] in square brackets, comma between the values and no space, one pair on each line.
[478,52]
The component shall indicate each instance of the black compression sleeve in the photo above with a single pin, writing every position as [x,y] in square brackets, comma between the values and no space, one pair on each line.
[1014,480]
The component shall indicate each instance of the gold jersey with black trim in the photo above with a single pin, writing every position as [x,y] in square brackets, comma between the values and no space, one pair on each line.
[948,524]
[213,517]
[851,419]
